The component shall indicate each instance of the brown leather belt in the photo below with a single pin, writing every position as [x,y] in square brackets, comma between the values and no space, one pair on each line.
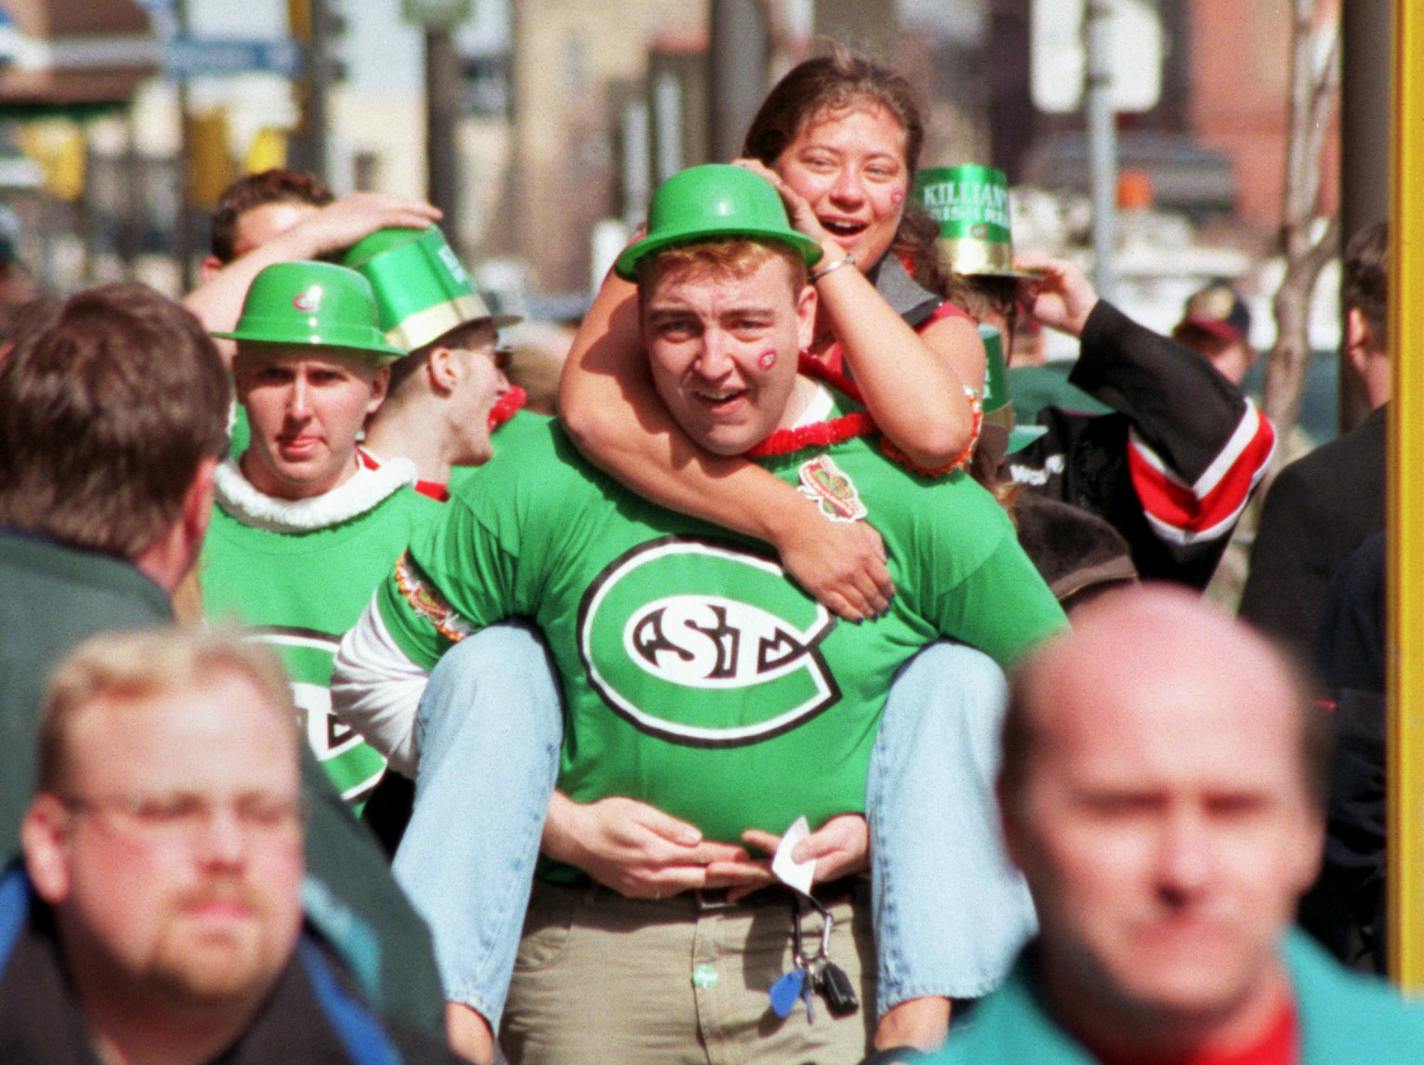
[828,894]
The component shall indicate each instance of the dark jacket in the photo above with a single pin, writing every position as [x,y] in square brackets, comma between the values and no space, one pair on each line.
[314,1015]
[1172,466]
[1317,511]
[53,597]
[1345,909]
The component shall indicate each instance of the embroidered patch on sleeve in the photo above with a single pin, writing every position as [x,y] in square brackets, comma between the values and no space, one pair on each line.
[823,482]
[425,599]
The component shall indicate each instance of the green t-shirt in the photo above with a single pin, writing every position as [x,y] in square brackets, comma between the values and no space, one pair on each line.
[301,591]
[697,677]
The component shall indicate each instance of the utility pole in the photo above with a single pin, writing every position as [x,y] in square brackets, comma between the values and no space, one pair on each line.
[310,23]
[736,73]
[1102,140]
[442,109]
[437,20]
[183,236]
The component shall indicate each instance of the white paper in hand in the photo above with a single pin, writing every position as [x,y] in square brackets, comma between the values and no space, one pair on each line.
[790,872]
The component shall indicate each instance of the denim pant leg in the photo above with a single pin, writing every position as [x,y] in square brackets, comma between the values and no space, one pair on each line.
[489,730]
[951,912]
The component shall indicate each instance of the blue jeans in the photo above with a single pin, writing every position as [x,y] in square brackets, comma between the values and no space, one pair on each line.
[950,912]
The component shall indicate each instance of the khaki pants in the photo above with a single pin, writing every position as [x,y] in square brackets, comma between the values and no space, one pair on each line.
[600,978]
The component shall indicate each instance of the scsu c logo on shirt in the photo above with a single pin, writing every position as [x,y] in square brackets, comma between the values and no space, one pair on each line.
[705,644]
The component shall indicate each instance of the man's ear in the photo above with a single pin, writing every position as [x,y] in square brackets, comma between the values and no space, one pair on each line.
[806,316]
[198,501]
[44,838]
[1359,341]
[209,268]
[380,382]
[444,369]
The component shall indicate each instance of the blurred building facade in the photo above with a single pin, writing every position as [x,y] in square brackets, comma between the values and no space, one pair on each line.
[572,111]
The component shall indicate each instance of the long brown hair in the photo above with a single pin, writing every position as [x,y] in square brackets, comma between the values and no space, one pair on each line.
[832,83]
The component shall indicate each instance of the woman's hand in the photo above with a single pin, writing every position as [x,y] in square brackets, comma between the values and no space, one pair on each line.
[840,564]
[803,218]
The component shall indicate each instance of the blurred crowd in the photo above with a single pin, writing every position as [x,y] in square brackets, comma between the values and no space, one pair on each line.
[732,678]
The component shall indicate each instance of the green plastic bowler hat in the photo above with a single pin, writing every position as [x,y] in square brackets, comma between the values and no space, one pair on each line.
[422,291]
[309,303]
[971,205]
[998,405]
[714,202]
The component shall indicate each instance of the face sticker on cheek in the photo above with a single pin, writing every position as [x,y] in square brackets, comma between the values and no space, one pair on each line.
[897,197]
[767,359]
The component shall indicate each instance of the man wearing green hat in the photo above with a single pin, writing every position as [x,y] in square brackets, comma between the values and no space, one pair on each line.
[708,701]
[450,391]
[1173,462]
[285,216]
[301,531]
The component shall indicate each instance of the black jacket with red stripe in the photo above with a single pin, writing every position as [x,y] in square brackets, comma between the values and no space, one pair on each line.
[1172,466]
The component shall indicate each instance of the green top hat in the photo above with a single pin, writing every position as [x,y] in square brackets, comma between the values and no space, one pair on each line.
[422,291]
[310,303]
[998,405]
[714,202]
[971,205]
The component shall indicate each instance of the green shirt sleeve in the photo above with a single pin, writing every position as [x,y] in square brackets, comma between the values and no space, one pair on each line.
[453,580]
[1002,606]
[488,557]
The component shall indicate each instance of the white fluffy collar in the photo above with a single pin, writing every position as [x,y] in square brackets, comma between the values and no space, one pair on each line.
[238,498]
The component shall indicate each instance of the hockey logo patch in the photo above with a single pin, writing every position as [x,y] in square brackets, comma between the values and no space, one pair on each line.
[824,484]
[705,644]
[425,599]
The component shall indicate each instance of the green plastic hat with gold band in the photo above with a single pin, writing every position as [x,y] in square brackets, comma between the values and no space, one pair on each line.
[715,201]
[998,406]
[422,291]
[311,304]
[971,205]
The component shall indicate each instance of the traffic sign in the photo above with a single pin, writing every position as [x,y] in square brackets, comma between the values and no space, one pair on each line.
[1057,58]
[189,57]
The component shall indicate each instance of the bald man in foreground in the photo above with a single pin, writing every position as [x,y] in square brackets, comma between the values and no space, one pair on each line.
[1163,778]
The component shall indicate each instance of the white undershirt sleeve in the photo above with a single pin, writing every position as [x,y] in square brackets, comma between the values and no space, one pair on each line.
[376,689]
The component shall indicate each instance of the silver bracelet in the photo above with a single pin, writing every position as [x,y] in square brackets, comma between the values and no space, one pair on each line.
[816,275]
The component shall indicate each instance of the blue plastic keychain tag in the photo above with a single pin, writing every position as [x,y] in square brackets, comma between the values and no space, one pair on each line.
[786,992]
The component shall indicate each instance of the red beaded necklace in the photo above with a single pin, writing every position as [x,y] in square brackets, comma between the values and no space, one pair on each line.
[857,423]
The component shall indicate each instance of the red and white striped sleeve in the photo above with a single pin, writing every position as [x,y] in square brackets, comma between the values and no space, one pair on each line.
[1208,508]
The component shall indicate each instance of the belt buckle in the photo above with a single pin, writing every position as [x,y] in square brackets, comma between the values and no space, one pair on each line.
[711,900]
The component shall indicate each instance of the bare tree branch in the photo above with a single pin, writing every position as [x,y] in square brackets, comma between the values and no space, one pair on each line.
[1313,91]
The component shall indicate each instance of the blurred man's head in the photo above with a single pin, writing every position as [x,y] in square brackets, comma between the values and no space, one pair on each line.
[723,323]
[1364,293]
[1162,788]
[257,207]
[166,832]
[1217,325]
[113,415]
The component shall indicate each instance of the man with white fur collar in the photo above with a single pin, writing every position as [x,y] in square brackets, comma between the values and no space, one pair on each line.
[302,531]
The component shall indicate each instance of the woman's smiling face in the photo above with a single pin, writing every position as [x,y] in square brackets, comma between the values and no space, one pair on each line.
[849,164]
